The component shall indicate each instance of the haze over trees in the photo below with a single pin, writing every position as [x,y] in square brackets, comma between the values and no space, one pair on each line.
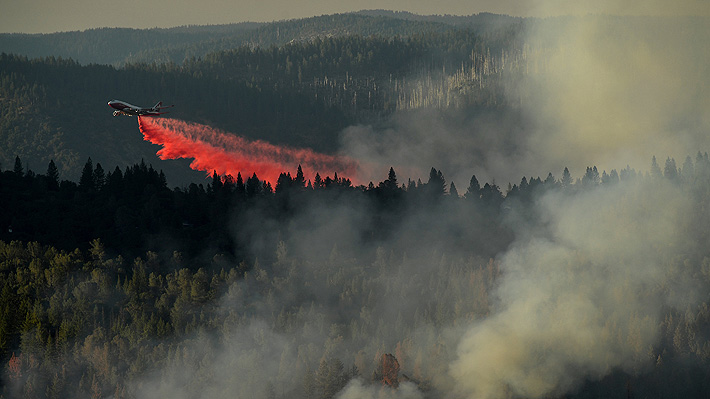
[121,286]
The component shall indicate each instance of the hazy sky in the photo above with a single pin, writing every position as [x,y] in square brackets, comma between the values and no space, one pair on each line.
[42,16]
[45,16]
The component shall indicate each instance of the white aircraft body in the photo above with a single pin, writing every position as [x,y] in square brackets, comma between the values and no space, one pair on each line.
[124,108]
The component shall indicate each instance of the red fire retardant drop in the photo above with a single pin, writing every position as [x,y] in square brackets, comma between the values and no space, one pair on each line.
[214,150]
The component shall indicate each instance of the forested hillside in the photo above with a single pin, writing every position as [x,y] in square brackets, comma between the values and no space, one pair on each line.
[302,82]
[118,46]
[301,94]
[119,286]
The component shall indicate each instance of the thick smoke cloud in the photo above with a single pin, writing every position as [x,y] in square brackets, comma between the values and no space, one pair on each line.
[617,91]
[356,389]
[484,144]
[585,90]
[577,295]
[581,292]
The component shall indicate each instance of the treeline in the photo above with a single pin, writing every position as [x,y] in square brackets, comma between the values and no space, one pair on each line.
[133,209]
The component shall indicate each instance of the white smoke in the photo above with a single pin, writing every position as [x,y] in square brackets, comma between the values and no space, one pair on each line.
[581,292]
[357,389]
[599,89]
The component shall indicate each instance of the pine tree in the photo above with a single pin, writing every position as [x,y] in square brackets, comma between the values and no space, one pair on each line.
[52,176]
[688,171]
[655,169]
[670,171]
[391,179]
[299,181]
[474,189]
[86,181]
[550,180]
[453,191]
[436,185]
[99,177]
[240,187]
[216,182]
[566,180]
[253,186]
[18,167]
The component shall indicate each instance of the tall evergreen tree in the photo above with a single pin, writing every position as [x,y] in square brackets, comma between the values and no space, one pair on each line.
[253,186]
[99,177]
[670,171]
[52,176]
[216,182]
[19,171]
[436,185]
[474,189]
[453,191]
[299,181]
[86,181]
[688,171]
[655,169]
[391,182]
[240,188]
[566,180]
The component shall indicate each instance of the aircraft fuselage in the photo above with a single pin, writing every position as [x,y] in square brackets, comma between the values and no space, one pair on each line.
[124,108]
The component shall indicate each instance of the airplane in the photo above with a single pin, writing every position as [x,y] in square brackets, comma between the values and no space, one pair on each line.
[124,108]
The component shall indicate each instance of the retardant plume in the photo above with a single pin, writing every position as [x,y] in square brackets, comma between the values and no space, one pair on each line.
[225,153]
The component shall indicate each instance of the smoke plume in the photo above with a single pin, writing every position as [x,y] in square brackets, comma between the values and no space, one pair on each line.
[616,90]
[581,90]
[215,150]
[581,294]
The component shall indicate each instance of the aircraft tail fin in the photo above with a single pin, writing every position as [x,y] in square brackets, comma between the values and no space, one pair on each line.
[157,106]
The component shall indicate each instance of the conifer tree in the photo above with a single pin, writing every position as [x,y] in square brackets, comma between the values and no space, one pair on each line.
[18,167]
[655,169]
[474,189]
[566,180]
[52,176]
[453,191]
[86,181]
[299,181]
[99,177]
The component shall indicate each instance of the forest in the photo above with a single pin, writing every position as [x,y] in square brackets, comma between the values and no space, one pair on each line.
[124,275]
[117,286]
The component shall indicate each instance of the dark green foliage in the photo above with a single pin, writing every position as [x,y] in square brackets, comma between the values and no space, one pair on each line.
[52,176]
[86,181]
[18,170]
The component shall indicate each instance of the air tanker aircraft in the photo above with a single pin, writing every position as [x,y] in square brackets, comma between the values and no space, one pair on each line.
[124,108]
